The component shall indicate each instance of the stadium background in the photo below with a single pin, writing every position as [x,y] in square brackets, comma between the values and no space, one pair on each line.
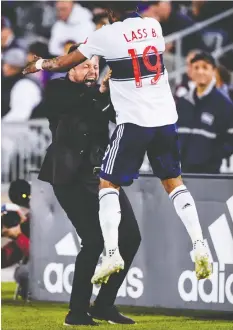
[24,140]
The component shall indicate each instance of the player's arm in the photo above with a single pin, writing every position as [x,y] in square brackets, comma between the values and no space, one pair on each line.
[57,64]
[92,46]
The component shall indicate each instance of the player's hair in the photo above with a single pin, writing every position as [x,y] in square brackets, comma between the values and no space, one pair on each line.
[123,6]
[98,17]
[204,56]
[74,47]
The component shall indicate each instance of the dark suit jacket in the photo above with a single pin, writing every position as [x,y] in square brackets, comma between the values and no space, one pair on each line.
[79,130]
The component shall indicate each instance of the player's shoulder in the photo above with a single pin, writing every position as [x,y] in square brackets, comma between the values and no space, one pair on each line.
[101,33]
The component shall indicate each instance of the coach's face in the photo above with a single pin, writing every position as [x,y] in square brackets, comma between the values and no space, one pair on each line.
[202,73]
[86,72]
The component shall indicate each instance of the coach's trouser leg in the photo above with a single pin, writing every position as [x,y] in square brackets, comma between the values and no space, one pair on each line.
[82,208]
[129,241]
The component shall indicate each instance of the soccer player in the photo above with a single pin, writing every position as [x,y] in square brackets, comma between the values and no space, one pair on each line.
[146,115]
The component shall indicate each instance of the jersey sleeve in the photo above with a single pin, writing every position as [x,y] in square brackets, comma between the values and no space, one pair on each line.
[94,44]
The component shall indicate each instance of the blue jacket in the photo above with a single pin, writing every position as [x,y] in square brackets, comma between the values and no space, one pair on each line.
[205,128]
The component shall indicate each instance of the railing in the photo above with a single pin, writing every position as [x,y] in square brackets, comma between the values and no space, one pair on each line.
[178,37]
[216,54]
[24,146]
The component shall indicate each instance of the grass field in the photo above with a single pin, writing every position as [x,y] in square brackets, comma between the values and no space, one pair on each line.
[43,316]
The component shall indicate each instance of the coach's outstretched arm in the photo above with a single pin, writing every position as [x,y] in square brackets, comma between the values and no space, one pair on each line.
[57,64]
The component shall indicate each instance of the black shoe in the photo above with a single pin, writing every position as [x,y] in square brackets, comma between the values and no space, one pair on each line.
[110,314]
[79,319]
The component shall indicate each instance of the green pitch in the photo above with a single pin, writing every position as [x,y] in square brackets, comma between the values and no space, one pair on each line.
[50,316]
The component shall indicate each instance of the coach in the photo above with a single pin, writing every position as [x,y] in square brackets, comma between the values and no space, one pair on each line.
[205,122]
[78,113]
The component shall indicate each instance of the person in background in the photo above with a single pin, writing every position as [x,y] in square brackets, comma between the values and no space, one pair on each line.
[74,23]
[20,194]
[196,10]
[8,39]
[19,94]
[16,227]
[172,21]
[205,123]
[187,82]
[39,49]
[223,80]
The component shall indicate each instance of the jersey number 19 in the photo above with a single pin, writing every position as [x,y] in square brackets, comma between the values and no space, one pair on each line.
[157,68]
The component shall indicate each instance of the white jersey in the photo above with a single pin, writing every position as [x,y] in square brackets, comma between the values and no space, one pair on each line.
[139,86]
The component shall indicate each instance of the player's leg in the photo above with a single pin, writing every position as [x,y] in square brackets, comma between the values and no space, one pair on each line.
[129,241]
[120,166]
[165,161]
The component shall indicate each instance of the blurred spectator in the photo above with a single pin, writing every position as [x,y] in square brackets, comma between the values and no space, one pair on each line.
[20,194]
[74,22]
[223,79]
[19,94]
[173,21]
[187,82]
[8,39]
[39,49]
[205,122]
[196,12]
[218,34]
[16,226]
[100,20]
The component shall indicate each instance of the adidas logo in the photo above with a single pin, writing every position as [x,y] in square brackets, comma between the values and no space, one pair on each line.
[186,205]
[221,282]
[67,246]
[57,277]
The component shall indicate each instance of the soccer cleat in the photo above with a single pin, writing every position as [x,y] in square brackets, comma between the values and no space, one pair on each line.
[109,266]
[109,314]
[79,319]
[203,266]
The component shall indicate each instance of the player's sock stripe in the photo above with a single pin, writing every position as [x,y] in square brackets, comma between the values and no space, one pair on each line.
[109,193]
[178,193]
[112,151]
[114,157]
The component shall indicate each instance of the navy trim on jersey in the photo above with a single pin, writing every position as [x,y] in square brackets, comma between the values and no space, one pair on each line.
[131,79]
[122,69]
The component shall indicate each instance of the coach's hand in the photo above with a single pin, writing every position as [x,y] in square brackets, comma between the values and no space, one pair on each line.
[104,87]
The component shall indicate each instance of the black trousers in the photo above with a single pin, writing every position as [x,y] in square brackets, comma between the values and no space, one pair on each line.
[81,204]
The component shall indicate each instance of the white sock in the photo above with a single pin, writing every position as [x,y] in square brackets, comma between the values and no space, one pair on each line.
[185,208]
[110,217]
